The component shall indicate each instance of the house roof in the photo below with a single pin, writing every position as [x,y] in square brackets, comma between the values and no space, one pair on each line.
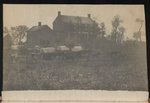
[75,19]
[37,28]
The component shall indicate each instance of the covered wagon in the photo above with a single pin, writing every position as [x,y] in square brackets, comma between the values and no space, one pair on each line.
[48,52]
[62,48]
[77,49]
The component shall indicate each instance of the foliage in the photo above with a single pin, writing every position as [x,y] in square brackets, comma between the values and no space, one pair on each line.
[117,33]
[116,22]
[102,29]
[137,36]
[18,33]
[5,30]
[92,72]
[121,33]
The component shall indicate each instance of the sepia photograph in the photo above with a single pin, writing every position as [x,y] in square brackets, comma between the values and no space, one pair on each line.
[74,47]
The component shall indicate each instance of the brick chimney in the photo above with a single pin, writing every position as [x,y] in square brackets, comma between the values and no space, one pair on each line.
[39,23]
[89,15]
[59,13]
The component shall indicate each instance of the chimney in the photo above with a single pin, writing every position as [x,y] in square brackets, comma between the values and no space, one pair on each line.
[89,15]
[59,13]
[39,23]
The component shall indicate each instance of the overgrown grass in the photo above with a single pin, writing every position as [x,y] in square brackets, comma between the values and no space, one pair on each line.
[107,66]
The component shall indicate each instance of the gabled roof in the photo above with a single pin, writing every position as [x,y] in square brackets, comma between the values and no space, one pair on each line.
[37,28]
[75,19]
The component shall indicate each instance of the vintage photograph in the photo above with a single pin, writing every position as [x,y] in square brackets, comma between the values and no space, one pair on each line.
[74,47]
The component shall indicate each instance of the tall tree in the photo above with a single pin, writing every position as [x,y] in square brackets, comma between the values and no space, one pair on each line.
[18,33]
[115,25]
[137,36]
[138,33]
[102,29]
[121,34]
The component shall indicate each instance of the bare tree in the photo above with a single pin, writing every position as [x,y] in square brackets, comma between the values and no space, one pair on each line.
[137,35]
[141,23]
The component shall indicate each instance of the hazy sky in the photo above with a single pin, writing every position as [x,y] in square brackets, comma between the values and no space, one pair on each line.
[30,15]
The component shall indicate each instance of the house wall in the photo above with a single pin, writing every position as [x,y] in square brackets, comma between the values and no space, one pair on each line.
[75,33]
[42,38]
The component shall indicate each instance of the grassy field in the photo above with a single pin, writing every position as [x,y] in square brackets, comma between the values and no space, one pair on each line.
[113,67]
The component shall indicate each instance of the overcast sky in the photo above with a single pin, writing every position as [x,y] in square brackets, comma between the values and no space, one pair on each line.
[30,15]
